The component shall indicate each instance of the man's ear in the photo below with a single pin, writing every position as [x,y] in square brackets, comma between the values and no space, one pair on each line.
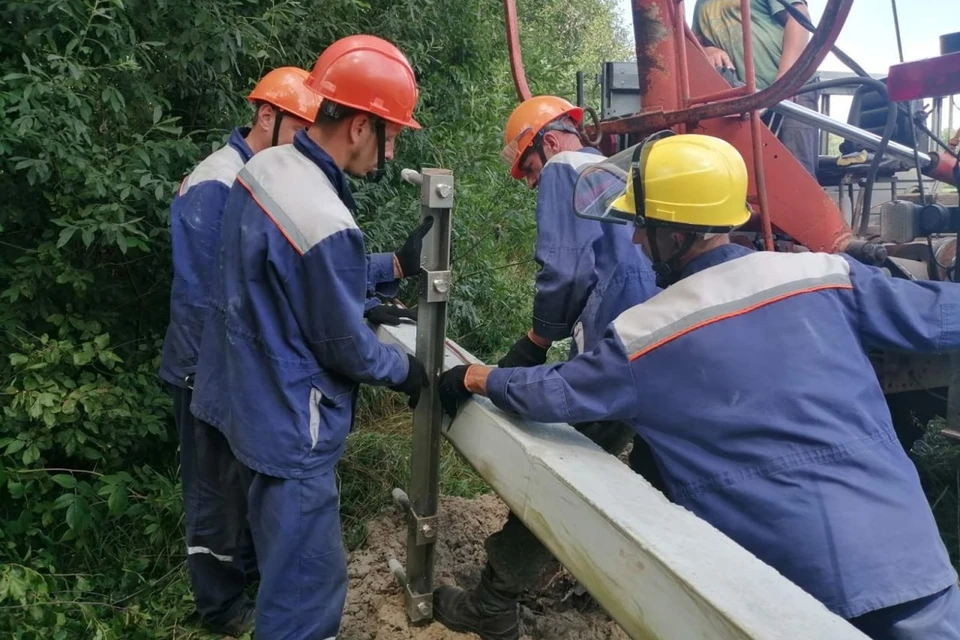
[359,124]
[551,141]
[265,115]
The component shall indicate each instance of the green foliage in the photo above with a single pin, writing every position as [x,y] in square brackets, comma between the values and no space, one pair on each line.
[106,105]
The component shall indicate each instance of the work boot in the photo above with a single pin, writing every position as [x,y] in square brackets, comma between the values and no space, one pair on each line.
[485,611]
[236,626]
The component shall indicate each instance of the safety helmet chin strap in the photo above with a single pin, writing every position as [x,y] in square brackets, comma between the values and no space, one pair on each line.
[667,269]
[276,127]
[381,127]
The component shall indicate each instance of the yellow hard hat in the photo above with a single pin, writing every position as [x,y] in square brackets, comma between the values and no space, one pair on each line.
[692,182]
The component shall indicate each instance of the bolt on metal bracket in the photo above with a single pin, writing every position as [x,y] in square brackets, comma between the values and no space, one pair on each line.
[437,284]
[424,527]
[419,606]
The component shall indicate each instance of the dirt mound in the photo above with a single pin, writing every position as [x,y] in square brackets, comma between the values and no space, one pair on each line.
[556,610]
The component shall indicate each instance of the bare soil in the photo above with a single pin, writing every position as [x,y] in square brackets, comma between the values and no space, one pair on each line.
[556,610]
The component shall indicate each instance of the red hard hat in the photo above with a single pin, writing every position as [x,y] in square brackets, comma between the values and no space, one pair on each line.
[283,88]
[369,74]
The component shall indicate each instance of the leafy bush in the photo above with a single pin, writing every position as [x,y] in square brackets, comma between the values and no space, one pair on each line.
[107,104]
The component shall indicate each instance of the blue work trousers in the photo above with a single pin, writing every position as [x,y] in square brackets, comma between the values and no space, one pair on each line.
[220,554]
[302,560]
[935,617]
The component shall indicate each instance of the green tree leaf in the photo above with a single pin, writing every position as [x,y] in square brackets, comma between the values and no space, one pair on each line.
[78,514]
[64,480]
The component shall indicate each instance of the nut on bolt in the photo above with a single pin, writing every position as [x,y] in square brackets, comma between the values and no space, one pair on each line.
[441,285]
[424,609]
[427,531]
[444,190]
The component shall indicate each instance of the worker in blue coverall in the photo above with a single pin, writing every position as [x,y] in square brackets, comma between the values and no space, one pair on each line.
[220,554]
[285,345]
[749,378]
[577,259]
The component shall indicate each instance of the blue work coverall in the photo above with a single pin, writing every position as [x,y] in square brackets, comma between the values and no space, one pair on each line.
[581,261]
[220,552]
[283,350]
[573,254]
[749,379]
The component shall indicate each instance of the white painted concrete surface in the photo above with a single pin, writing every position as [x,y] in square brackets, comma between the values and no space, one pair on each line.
[658,570]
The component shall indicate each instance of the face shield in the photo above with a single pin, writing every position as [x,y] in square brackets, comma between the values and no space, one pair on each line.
[599,186]
[512,154]
[612,190]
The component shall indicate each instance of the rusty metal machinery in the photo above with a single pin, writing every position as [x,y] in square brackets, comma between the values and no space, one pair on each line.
[677,87]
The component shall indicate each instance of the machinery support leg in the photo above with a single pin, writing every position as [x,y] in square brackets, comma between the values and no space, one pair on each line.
[436,200]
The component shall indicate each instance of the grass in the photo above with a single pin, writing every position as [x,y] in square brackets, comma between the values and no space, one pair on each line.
[377,460]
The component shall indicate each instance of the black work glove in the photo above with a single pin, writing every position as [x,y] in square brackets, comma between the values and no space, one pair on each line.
[415,382]
[524,353]
[409,254]
[453,389]
[389,314]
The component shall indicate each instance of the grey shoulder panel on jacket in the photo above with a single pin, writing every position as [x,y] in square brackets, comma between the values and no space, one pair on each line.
[220,166]
[297,195]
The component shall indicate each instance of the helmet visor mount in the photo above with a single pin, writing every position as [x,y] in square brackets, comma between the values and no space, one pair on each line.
[601,188]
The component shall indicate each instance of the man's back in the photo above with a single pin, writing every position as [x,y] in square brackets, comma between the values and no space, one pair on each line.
[194,226]
[749,380]
[763,408]
[575,255]
[285,343]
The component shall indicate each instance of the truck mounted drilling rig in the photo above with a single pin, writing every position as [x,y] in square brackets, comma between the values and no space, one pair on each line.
[676,87]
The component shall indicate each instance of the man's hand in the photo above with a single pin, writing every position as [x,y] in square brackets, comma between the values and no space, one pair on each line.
[524,353]
[390,314]
[453,389]
[415,382]
[718,58]
[408,257]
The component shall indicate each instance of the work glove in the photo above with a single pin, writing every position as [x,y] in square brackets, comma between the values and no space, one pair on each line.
[408,257]
[453,389]
[415,382]
[524,353]
[390,314]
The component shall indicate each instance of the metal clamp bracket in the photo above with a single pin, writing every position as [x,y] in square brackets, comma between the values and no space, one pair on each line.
[437,285]
[419,606]
[425,527]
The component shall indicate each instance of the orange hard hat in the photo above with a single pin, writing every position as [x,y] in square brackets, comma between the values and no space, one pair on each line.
[369,74]
[527,121]
[283,88]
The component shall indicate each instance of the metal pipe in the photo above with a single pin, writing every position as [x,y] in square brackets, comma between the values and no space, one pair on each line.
[834,15]
[733,92]
[761,180]
[654,28]
[749,74]
[871,141]
[755,135]
[513,44]
[580,89]
[680,25]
